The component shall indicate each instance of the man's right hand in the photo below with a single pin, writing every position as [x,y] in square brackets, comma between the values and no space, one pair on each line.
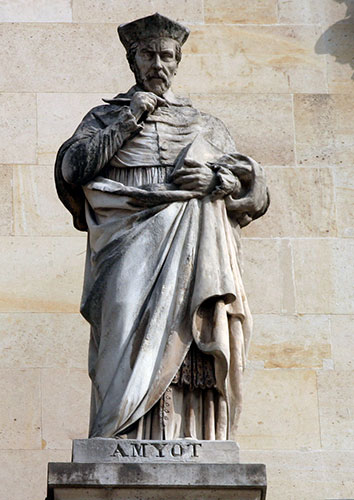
[145,102]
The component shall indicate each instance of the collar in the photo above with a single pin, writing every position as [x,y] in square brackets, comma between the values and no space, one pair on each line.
[124,98]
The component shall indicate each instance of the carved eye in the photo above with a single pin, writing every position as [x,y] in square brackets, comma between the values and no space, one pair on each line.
[167,56]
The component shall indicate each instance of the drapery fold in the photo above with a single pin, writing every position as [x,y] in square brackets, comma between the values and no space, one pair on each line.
[158,278]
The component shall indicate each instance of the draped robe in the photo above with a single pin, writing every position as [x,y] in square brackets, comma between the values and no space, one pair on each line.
[162,267]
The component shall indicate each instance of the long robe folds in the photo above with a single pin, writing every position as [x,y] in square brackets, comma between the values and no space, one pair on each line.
[162,275]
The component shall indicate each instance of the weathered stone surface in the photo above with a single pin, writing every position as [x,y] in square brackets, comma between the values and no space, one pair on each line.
[270,287]
[6,200]
[18,125]
[290,395]
[302,204]
[230,12]
[305,474]
[58,116]
[344,189]
[342,328]
[157,494]
[103,450]
[23,472]
[37,210]
[314,12]
[291,341]
[246,58]
[252,59]
[65,406]
[336,408]
[324,275]
[262,125]
[324,125]
[195,479]
[40,340]
[53,276]
[62,55]
[111,11]
[20,416]
[33,11]
[337,42]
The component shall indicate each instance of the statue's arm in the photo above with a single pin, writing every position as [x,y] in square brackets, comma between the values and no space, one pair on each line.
[240,180]
[250,197]
[94,144]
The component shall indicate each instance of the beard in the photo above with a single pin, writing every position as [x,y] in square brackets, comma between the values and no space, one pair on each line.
[154,81]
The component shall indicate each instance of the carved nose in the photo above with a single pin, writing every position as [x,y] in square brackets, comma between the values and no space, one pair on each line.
[157,63]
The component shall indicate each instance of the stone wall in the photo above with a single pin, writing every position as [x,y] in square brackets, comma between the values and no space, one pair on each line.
[278,73]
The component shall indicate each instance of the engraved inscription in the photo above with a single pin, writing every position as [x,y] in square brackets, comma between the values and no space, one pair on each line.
[159,447]
[154,449]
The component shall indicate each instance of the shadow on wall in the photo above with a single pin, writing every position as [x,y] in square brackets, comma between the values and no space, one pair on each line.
[338,39]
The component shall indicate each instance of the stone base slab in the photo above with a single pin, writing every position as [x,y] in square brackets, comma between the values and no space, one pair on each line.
[104,450]
[137,481]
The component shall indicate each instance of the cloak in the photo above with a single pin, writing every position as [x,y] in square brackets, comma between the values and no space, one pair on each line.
[162,267]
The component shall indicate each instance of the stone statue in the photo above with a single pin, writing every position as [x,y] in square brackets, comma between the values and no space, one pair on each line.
[162,192]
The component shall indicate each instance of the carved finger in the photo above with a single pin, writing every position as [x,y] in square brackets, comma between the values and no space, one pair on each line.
[187,171]
[193,163]
[192,186]
[186,179]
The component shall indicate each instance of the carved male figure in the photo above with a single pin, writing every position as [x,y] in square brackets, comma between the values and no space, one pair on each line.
[162,192]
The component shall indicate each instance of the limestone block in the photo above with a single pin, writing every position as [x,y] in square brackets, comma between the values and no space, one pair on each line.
[61,57]
[135,451]
[65,406]
[18,124]
[123,11]
[336,405]
[324,276]
[231,12]
[315,475]
[268,275]
[317,11]
[324,129]
[32,11]
[20,416]
[76,481]
[40,340]
[41,274]
[342,328]
[291,341]
[344,188]
[340,58]
[343,251]
[58,117]
[280,410]
[262,125]
[338,43]
[37,209]
[23,473]
[5,200]
[253,59]
[157,493]
[302,204]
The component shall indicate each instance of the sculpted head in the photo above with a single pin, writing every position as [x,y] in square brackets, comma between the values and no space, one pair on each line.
[153,47]
[154,63]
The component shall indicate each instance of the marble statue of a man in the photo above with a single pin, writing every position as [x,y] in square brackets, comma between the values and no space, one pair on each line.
[162,192]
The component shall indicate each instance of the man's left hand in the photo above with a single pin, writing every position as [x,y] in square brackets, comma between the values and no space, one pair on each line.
[195,176]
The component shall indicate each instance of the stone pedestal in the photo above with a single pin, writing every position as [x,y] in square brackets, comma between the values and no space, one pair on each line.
[110,469]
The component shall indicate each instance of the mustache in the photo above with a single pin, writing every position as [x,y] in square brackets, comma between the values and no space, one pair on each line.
[157,74]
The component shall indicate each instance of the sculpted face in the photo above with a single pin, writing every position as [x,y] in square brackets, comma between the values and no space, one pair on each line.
[156,64]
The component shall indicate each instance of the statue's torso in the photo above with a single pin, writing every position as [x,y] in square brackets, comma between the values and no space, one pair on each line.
[166,132]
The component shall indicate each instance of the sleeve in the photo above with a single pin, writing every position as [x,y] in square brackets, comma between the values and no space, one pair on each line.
[240,180]
[94,144]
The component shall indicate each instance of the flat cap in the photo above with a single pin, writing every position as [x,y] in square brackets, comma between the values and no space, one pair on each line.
[152,27]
